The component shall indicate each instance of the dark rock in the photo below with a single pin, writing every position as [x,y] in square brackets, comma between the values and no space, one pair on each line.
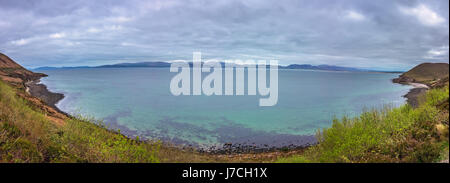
[403,80]
[41,91]
[414,96]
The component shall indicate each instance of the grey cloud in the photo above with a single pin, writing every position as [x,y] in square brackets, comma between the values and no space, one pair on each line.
[378,35]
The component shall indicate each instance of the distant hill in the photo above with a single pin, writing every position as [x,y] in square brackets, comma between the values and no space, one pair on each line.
[53,68]
[138,64]
[10,71]
[427,73]
[6,62]
[321,67]
[166,64]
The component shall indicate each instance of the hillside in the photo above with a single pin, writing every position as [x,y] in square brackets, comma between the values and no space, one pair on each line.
[415,132]
[33,131]
[12,72]
[427,73]
[434,75]
[399,135]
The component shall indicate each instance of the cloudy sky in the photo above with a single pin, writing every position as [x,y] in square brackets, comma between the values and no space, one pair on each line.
[382,34]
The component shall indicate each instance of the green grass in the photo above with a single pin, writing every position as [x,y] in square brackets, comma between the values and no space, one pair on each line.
[399,134]
[26,135]
[87,141]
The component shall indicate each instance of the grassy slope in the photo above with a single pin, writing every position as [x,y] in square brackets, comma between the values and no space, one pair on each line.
[391,135]
[399,134]
[27,135]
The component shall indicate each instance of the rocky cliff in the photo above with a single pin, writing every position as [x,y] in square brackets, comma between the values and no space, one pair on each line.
[434,75]
[10,71]
[27,83]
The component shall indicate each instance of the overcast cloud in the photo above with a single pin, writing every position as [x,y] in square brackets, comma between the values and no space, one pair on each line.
[381,34]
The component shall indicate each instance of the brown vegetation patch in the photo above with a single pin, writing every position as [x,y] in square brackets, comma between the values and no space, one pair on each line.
[11,79]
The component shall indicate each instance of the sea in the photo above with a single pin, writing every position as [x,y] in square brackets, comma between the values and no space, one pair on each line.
[138,101]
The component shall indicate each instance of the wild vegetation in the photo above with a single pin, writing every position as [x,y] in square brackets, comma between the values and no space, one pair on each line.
[399,134]
[29,134]
[403,134]
[26,135]
[427,73]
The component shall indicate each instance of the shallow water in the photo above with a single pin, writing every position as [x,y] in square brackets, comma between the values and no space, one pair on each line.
[139,102]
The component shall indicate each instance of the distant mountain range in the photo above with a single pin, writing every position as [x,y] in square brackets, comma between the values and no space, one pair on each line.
[120,65]
[321,67]
[166,64]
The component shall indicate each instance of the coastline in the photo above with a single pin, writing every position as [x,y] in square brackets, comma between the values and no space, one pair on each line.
[413,97]
[226,152]
[39,90]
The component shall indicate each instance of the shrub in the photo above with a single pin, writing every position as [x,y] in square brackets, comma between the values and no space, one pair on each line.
[400,134]
[26,135]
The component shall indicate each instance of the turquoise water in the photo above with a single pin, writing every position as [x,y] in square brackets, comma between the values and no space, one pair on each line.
[139,102]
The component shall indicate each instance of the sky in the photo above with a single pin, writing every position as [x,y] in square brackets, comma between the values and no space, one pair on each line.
[381,34]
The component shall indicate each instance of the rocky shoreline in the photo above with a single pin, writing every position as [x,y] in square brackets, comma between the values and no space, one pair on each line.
[39,90]
[422,77]
[413,96]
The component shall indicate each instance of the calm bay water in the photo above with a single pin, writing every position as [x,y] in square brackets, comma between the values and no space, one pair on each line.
[139,102]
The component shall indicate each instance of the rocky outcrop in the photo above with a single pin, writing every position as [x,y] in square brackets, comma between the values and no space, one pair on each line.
[26,82]
[10,71]
[425,73]
[41,91]
[413,97]
[403,80]
[433,75]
